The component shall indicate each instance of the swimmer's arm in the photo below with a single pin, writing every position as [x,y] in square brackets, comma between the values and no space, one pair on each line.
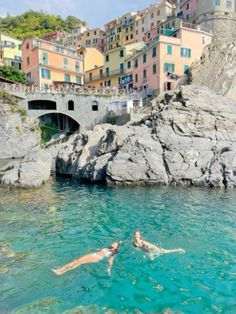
[110,263]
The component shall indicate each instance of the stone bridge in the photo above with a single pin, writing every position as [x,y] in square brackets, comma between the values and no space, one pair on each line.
[86,107]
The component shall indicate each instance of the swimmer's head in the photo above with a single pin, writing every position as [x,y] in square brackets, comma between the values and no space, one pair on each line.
[115,245]
[137,234]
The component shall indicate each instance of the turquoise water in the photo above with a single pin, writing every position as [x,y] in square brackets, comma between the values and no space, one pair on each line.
[49,227]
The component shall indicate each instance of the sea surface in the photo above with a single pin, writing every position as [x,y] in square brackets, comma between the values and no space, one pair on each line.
[48,227]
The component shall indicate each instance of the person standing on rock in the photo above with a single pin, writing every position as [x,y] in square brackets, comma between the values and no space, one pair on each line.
[109,253]
[150,248]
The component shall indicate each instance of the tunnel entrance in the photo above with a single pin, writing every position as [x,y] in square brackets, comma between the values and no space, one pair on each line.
[53,124]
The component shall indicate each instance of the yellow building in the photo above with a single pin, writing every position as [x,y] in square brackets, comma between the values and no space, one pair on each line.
[92,58]
[114,66]
[94,77]
[10,51]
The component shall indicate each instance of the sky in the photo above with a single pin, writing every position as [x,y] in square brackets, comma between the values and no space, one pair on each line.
[95,12]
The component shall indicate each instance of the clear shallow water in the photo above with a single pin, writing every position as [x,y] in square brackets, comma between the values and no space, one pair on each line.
[48,227]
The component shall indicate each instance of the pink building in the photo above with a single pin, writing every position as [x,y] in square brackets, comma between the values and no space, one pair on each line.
[161,62]
[187,9]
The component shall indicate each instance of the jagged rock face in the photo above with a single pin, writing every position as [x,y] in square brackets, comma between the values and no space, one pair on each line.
[189,139]
[18,133]
[217,69]
[31,172]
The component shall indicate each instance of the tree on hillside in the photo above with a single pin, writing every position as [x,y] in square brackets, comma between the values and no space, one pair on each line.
[12,73]
[36,23]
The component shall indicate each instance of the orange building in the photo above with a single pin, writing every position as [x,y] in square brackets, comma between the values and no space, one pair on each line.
[45,63]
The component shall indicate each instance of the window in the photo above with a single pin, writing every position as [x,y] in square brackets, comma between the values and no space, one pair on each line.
[144,74]
[107,58]
[185,52]
[154,52]
[101,73]
[169,67]
[71,105]
[107,71]
[88,34]
[158,12]
[152,15]
[95,106]
[127,38]
[45,58]
[131,36]
[27,46]
[144,58]
[65,62]
[109,83]
[95,33]
[78,79]
[121,53]
[67,77]
[154,69]
[228,4]
[169,49]
[122,68]
[76,66]
[129,64]
[90,76]
[136,63]
[45,73]
[187,6]
[28,77]
[94,40]
[186,68]
[136,78]
[143,29]
[127,30]
[28,60]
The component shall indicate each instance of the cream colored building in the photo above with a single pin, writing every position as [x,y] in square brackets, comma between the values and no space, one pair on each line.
[114,64]
[10,51]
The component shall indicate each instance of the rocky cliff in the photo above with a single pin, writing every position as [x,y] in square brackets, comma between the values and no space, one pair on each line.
[18,133]
[217,68]
[188,139]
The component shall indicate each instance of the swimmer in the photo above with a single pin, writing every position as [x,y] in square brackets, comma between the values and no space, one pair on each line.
[140,243]
[91,258]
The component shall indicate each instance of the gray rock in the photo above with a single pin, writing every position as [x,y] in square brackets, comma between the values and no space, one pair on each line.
[31,172]
[19,133]
[190,140]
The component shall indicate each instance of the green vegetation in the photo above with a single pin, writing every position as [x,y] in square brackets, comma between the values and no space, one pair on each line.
[19,129]
[12,73]
[47,132]
[7,98]
[33,23]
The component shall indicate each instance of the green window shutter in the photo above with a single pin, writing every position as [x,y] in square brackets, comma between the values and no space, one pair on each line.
[172,67]
[181,52]
[169,49]
[189,53]
[165,67]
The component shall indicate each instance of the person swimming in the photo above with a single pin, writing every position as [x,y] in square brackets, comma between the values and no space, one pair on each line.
[109,253]
[150,248]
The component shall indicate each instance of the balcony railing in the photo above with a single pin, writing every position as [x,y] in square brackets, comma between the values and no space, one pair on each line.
[196,27]
[63,68]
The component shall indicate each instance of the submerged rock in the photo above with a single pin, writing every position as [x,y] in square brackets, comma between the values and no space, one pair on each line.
[190,140]
[31,172]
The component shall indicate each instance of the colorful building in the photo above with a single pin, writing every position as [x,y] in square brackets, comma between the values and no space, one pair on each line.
[83,37]
[46,63]
[163,61]
[152,16]
[114,64]
[94,77]
[92,58]
[187,9]
[10,51]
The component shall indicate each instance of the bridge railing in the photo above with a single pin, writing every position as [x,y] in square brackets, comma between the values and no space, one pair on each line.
[76,90]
